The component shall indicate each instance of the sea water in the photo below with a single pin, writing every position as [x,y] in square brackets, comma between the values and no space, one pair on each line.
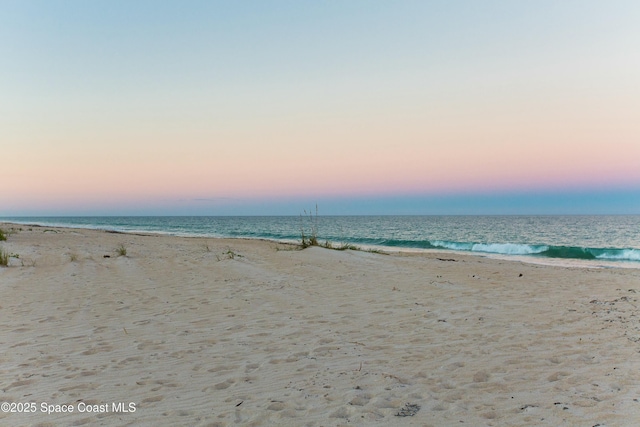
[604,240]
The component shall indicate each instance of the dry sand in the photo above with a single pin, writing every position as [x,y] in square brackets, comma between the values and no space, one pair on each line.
[195,335]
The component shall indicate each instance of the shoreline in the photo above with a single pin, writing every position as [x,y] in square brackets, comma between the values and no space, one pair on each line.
[529,259]
[222,332]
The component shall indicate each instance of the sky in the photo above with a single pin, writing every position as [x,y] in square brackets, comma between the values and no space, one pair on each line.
[136,107]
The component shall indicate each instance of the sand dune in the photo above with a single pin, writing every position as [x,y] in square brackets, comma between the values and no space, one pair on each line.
[213,332]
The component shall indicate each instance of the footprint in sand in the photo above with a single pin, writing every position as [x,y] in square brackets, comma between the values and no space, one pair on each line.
[224,385]
[251,367]
[153,399]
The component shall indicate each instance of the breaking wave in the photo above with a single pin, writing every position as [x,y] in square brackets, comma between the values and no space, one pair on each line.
[547,251]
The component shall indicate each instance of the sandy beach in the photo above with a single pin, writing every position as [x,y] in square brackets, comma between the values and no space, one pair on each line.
[214,332]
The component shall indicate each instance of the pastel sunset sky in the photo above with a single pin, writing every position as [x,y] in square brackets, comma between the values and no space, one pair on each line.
[268,107]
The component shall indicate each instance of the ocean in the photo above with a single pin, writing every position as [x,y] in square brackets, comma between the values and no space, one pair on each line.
[601,240]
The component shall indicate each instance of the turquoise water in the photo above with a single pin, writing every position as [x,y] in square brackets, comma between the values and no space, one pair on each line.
[597,238]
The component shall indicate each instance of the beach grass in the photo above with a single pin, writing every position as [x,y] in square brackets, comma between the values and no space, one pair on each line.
[309,238]
[4,258]
[121,250]
[231,254]
[228,254]
[341,247]
[3,235]
[309,235]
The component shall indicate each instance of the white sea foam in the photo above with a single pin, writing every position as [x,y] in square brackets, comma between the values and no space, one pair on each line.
[493,248]
[621,255]
[508,248]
